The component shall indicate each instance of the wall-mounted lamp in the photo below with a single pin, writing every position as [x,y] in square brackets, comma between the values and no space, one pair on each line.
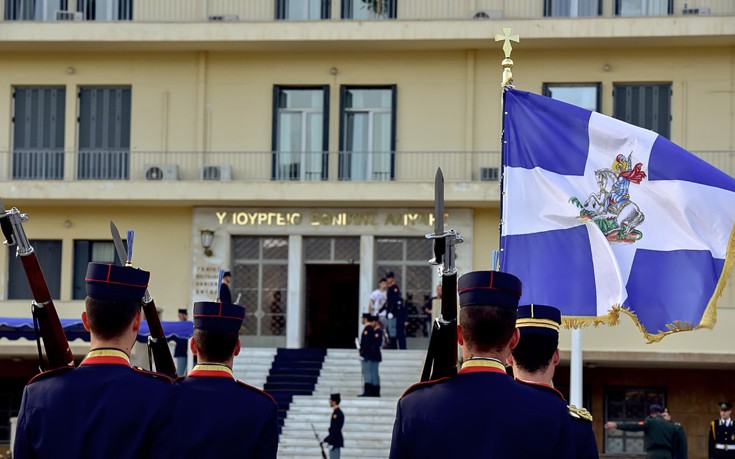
[71,70]
[207,236]
[333,71]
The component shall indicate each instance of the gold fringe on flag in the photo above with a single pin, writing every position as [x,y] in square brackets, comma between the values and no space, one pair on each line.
[709,318]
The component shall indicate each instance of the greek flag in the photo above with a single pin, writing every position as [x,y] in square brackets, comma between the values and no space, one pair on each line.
[601,217]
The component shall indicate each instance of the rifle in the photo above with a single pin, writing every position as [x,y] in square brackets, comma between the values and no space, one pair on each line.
[157,345]
[441,357]
[45,318]
[324,455]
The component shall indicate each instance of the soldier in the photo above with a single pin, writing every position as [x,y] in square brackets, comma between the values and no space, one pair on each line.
[680,437]
[658,433]
[334,439]
[217,415]
[482,412]
[722,434]
[397,314]
[534,361]
[105,407]
[371,341]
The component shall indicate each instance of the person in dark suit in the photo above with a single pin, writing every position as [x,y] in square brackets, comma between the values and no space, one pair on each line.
[658,433]
[482,412]
[217,415]
[680,437]
[225,295]
[722,434]
[534,361]
[397,314]
[105,407]
[336,422]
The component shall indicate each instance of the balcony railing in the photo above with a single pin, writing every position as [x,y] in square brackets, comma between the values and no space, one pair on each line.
[268,166]
[273,10]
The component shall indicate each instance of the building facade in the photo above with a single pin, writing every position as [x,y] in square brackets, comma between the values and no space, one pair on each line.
[303,137]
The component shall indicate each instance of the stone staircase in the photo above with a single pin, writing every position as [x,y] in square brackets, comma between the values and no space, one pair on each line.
[368,420]
[253,364]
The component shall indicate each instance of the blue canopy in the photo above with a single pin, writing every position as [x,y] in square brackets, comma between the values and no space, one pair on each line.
[21,327]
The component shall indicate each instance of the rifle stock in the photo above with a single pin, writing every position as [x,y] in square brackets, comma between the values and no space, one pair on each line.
[157,340]
[58,352]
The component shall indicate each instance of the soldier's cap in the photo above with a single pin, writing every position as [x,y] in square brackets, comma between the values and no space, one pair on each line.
[389,275]
[655,409]
[218,316]
[183,311]
[113,282]
[335,398]
[724,406]
[368,316]
[538,319]
[489,288]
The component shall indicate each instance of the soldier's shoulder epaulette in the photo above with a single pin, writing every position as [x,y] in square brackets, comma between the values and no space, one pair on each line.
[153,374]
[424,384]
[256,390]
[49,373]
[579,413]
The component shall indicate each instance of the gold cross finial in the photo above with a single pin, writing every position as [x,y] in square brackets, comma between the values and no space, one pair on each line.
[507,37]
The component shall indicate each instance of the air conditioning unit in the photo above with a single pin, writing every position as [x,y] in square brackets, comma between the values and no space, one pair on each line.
[161,172]
[224,18]
[692,11]
[489,174]
[69,16]
[487,14]
[221,173]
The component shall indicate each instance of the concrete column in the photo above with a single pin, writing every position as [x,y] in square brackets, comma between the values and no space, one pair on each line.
[367,274]
[295,322]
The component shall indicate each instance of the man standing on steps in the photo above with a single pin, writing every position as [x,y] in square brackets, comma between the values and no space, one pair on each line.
[334,439]
[397,315]
[217,415]
[224,293]
[371,341]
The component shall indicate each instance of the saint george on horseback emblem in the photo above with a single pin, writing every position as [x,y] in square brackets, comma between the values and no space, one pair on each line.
[611,209]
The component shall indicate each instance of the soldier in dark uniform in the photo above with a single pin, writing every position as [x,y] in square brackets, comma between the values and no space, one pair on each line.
[217,415]
[397,314]
[105,407]
[534,361]
[224,289]
[482,412]
[722,434]
[680,437]
[334,439]
[371,341]
[658,433]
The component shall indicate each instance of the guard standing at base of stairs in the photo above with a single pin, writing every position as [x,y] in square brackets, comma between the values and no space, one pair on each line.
[334,439]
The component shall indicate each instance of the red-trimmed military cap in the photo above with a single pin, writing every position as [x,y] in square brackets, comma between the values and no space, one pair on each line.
[218,316]
[105,280]
[489,288]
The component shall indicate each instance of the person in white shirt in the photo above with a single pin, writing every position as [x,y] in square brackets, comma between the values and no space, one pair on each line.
[376,306]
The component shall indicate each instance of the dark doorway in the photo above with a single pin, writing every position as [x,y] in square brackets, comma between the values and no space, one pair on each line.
[332,304]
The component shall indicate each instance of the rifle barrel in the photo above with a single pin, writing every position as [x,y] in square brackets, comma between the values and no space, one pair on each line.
[159,347]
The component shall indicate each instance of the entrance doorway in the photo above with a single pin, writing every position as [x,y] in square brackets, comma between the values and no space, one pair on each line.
[332,305]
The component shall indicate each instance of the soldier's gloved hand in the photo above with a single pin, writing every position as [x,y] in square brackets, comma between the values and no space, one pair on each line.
[390,315]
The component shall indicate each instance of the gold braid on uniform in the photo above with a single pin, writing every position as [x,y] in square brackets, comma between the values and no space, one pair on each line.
[579,413]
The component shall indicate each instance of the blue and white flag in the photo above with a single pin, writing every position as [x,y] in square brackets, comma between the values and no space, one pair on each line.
[600,216]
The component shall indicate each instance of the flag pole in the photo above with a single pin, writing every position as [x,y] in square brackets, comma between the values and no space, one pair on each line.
[575,377]
[507,83]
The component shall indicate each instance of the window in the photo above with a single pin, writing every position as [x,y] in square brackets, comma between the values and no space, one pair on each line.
[644,105]
[572,8]
[300,133]
[303,9]
[260,275]
[644,7]
[628,404]
[106,10]
[33,10]
[584,95]
[49,257]
[104,133]
[406,257]
[38,132]
[367,135]
[86,252]
[369,9]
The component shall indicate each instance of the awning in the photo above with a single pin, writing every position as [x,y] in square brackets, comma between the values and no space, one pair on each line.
[19,327]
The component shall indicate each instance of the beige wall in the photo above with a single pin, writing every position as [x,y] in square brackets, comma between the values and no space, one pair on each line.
[162,246]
